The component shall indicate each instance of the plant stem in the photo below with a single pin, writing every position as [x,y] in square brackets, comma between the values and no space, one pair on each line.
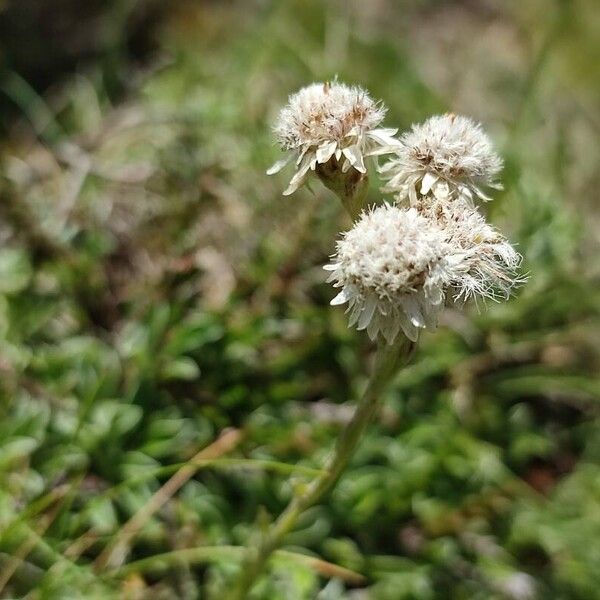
[388,359]
[351,187]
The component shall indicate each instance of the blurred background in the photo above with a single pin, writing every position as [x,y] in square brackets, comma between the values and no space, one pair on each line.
[160,298]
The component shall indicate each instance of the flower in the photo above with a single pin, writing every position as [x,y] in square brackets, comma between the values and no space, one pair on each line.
[397,266]
[330,121]
[447,156]
[483,263]
[392,270]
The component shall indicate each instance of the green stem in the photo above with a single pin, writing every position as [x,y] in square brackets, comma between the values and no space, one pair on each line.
[351,187]
[388,359]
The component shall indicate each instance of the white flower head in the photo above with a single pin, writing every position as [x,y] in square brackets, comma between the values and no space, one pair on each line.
[391,267]
[397,266]
[447,156]
[483,263]
[330,121]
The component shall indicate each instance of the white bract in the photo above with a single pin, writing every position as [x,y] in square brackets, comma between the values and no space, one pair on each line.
[330,121]
[447,156]
[397,266]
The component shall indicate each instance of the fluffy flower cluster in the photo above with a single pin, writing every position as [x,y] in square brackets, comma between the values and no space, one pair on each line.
[397,266]
[447,156]
[330,121]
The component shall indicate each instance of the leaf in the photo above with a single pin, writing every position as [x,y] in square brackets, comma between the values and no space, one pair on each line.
[103,516]
[183,368]
[16,448]
[15,270]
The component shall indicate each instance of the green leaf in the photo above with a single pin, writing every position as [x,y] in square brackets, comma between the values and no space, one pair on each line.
[15,270]
[183,368]
[16,448]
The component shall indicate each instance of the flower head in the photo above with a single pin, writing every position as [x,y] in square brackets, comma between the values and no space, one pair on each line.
[483,263]
[396,266]
[447,156]
[330,121]
[391,267]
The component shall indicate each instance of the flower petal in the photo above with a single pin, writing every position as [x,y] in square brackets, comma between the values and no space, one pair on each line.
[342,297]
[299,177]
[482,194]
[354,156]
[413,311]
[385,137]
[427,183]
[325,151]
[411,332]
[367,314]
[279,165]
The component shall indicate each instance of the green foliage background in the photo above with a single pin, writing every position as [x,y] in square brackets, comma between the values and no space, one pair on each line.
[156,289]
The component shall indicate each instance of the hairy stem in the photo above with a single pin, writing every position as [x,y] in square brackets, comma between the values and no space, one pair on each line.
[388,359]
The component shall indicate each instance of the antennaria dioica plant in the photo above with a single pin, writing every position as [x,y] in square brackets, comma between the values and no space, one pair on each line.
[401,262]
